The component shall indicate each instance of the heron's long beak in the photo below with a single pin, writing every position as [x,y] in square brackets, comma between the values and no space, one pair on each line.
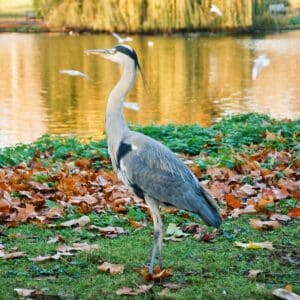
[102,52]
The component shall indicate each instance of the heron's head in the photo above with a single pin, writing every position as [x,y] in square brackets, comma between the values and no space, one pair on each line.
[119,54]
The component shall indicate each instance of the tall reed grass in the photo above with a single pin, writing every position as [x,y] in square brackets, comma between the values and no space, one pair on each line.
[145,15]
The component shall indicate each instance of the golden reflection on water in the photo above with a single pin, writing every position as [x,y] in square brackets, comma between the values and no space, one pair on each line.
[192,79]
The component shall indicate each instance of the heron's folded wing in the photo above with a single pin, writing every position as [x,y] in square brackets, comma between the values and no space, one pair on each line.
[156,171]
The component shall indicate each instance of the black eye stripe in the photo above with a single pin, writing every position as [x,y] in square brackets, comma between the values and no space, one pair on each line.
[128,52]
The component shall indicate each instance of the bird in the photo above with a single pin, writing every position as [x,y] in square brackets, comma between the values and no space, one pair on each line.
[75,73]
[151,170]
[132,105]
[120,39]
[259,63]
[150,43]
[216,9]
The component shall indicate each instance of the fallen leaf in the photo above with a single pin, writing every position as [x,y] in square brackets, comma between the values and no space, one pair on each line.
[125,291]
[248,190]
[25,212]
[4,207]
[261,204]
[45,258]
[174,239]
[279,217]
[78,247]
[208,237]
[264,225]
[11,255]
[285,294]
[253,273]
[56,239]
[109,231]
[249,209]
[175,231]
[27,292]
[254,245]
[294,213]
[232,201]
[81,222]
[134,224]
[157,275]
[55,212]
[171,286]
[113,269]
[89,199]
[289,287]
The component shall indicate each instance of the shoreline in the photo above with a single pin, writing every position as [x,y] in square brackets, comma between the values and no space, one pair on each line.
[39,26]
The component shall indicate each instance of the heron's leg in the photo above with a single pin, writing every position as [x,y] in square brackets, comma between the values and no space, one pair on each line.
[158,233]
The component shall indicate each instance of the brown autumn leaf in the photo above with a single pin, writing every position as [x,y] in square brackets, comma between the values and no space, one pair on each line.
[262,202]
[249,209]
[81,222]
[55,212]
[157,275]
[83,163]
[4,207]
[89,199]
[208,236]
[264,225]
[248,190]
[113,269]
[135,224]
[253,273]
[11,255]
[294,213]
[109,231]
[141,289]
[28,292]
[193,167]
[24,213]
[232,201]
[78,247]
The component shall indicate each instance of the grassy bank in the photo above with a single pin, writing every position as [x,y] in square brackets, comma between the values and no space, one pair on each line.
[202,270]
[247,162]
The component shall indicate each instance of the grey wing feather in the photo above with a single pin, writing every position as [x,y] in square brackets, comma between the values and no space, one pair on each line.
[161,175]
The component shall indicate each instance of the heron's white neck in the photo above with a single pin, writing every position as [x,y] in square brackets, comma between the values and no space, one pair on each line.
[116,125]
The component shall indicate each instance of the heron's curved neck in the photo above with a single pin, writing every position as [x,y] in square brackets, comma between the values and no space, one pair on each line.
[115,123]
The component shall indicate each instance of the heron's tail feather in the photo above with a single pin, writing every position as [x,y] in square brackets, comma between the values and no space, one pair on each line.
[209,210]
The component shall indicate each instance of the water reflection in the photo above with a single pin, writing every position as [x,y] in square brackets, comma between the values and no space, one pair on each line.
[192,79]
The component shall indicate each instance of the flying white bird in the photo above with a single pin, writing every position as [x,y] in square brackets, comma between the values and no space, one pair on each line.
[132,105]
[74,73]
[215,9]
[261,62]
[120,39]
[150,44]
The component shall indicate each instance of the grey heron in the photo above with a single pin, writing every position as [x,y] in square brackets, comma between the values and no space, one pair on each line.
[148,168]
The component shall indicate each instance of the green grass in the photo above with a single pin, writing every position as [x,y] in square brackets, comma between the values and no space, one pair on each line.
[234,133]
[203,270]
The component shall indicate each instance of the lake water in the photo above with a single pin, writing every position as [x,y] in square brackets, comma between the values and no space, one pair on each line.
[192,78]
